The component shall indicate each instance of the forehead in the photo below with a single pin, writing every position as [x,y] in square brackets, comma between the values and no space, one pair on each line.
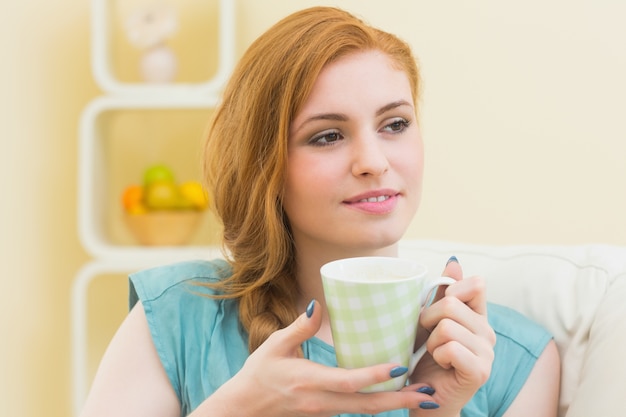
[357,79]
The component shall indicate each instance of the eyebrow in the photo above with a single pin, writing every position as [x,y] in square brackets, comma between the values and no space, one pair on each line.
[392,106]
[340,117]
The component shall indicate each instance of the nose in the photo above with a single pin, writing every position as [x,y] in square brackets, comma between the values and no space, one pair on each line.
[368,156]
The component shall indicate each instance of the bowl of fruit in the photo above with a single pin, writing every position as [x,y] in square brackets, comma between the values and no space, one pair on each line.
[161,211]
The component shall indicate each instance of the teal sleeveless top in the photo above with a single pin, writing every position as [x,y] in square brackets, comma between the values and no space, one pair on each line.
[201,343]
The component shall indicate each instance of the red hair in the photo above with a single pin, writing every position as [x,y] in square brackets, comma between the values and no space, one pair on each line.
[246,152]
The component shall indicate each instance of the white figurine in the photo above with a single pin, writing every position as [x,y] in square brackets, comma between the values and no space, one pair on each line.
[148,28]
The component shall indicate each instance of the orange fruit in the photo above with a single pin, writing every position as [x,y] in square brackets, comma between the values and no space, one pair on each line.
[138,209]
[132,197]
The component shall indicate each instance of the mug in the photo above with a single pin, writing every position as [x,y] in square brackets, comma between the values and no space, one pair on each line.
[374,305]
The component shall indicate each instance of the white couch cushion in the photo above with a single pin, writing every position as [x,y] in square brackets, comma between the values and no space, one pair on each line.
[577,292]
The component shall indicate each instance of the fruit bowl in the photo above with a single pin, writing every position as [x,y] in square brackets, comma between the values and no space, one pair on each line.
[163,227]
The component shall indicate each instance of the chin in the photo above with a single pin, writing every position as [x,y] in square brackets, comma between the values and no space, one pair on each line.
[378,240]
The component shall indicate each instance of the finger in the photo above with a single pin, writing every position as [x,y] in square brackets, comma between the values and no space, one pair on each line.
[479,343]
[289,339]
[376,402]
[470,369]
[452,308]
[355,380]
[472,291]
[453,270]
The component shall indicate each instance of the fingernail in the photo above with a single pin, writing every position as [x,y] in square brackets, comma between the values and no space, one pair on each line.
[429,405]
[398,371]
[452,259]
[426,390]
[310,308]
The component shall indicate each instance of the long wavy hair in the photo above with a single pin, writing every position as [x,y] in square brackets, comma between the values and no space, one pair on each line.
[245,154]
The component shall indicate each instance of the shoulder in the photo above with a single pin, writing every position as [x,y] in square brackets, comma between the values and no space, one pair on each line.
[178,300]
[192,331]
[519,344]
[514,331]
[151,284]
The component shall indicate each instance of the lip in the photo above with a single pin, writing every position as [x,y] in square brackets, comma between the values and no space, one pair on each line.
[381,201]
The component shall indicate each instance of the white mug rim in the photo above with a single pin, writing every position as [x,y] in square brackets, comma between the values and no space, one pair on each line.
[329,270]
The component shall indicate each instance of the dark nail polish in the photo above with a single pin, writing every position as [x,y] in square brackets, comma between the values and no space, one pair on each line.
[398,371]
[310,308]
[452,259]
[429,405]
[426,390]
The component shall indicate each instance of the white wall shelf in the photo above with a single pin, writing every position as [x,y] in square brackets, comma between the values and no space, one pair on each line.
[106,79]
[95,169]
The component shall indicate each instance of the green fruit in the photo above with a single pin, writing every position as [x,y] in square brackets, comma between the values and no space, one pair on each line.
[157,173]
[161,195]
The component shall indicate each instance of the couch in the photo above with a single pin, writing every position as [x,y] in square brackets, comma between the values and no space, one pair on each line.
[577,292]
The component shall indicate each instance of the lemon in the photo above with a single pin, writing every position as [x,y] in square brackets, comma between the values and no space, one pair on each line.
[193,192]
[160,195]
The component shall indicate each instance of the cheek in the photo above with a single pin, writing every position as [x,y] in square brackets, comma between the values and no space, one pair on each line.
[418,152]
[409,162]
[305,183]
[417,166]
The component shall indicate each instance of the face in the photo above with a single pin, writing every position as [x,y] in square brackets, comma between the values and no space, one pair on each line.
[355,159]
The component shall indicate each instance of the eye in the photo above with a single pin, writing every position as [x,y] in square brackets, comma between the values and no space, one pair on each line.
[397,125]
[326,138]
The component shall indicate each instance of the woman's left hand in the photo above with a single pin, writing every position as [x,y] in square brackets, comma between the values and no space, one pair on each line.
[460,344]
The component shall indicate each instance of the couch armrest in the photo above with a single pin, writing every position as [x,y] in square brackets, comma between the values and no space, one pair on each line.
[577,292]
[601,390]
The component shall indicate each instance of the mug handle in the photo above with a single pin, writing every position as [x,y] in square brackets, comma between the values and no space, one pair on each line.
[426,291]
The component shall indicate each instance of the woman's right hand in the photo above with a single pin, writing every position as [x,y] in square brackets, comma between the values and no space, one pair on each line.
[276,381]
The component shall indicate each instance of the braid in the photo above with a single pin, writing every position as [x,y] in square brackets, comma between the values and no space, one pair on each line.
[267,309]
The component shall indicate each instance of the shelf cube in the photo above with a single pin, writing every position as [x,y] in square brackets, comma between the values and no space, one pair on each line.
[119,138]
[107,38]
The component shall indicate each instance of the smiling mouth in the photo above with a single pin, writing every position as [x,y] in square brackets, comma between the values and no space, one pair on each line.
[374,199]
[376,204]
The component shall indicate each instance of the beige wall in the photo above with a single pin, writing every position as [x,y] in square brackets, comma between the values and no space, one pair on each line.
[523,112]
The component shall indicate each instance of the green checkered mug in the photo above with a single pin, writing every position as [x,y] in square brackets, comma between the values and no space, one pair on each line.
[374,305]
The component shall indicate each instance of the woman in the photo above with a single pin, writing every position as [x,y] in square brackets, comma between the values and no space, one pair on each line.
[315,154]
